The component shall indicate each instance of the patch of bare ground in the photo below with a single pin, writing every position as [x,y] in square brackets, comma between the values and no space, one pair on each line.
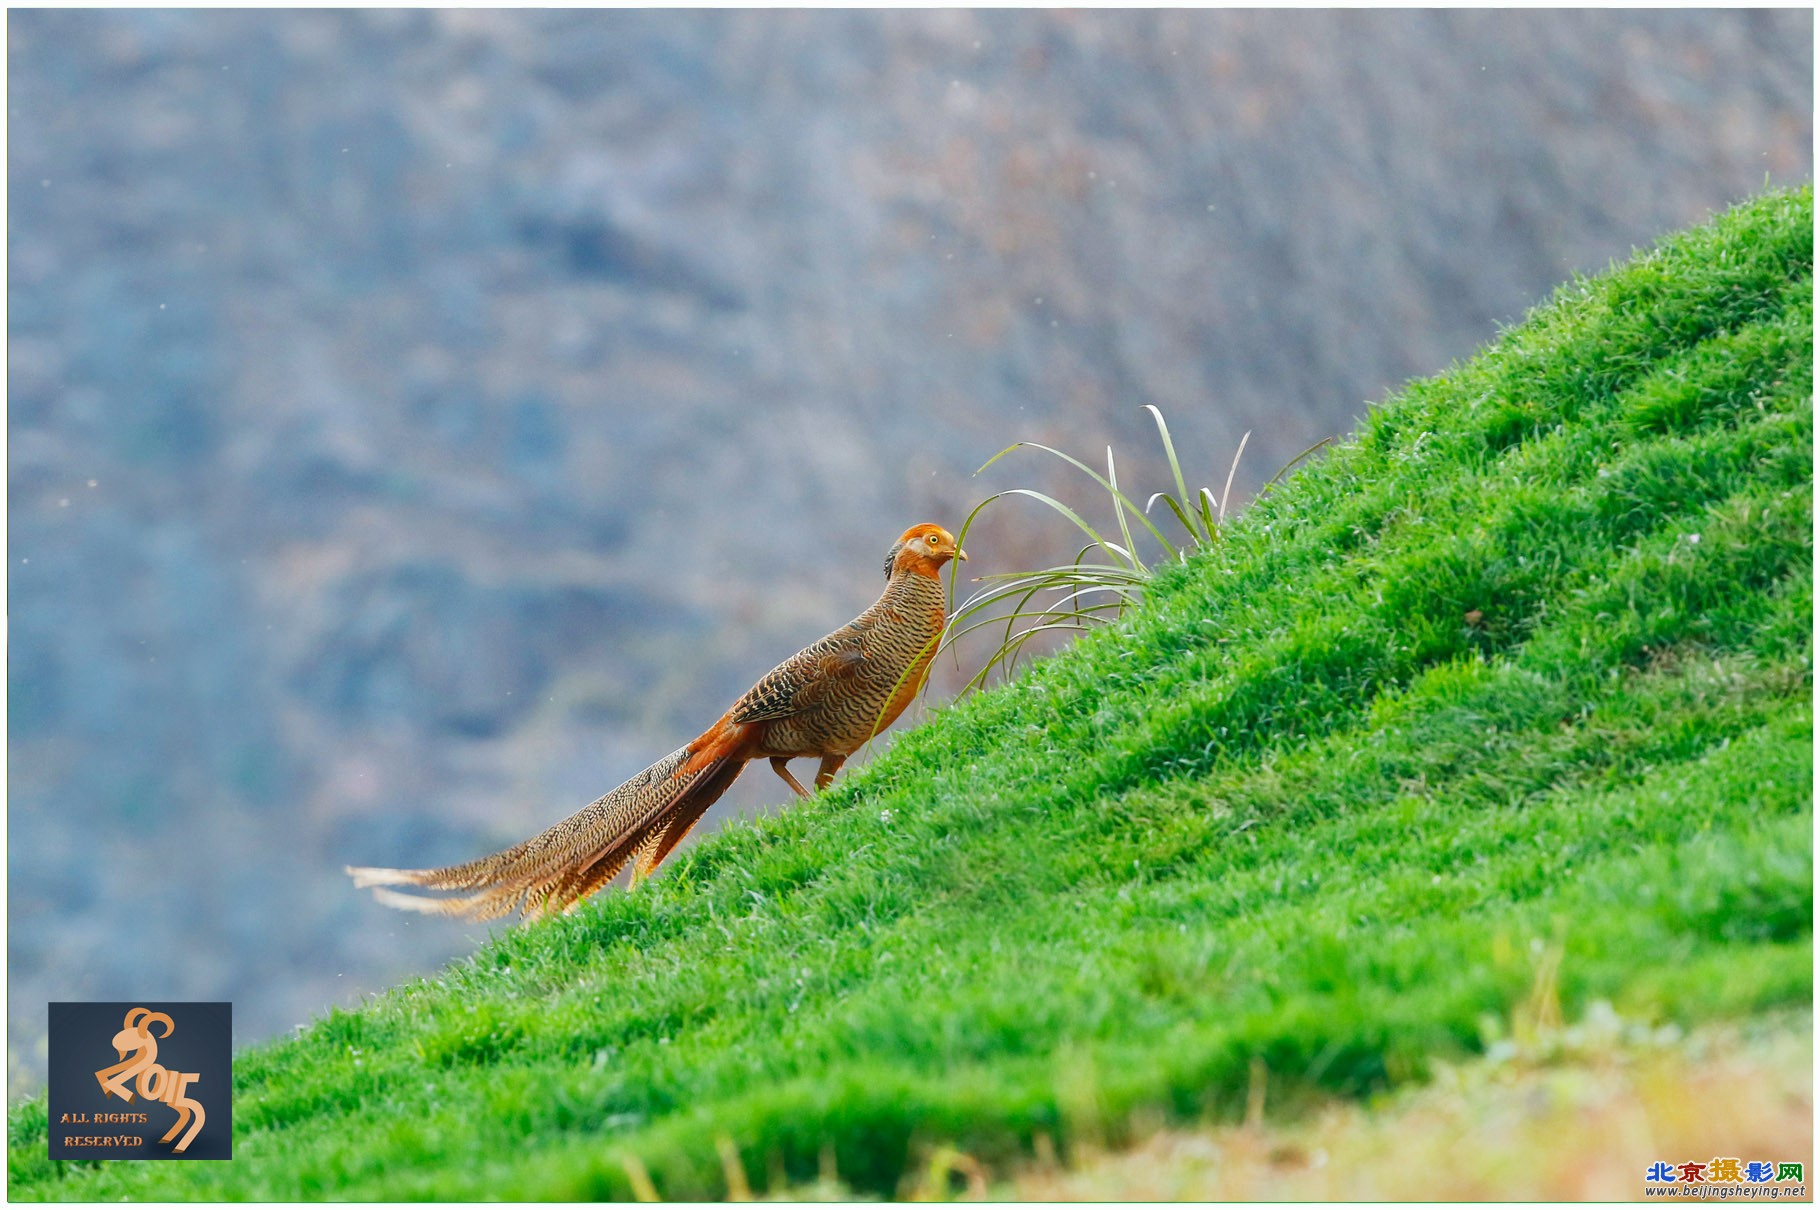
[1580,1117]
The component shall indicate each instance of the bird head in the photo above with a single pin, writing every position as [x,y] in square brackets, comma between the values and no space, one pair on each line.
[924,549]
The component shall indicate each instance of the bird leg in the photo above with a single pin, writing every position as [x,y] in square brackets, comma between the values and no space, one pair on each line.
[781,764]
[830,766]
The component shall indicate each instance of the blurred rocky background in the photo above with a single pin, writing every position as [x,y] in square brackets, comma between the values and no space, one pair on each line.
[422,420]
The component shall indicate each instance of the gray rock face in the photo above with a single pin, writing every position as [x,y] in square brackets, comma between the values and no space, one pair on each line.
[421,420]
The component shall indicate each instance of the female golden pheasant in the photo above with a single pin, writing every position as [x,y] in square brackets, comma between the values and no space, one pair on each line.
[824,701]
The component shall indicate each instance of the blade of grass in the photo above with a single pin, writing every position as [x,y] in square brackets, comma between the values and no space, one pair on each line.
[1118,510]
[1226,492]
[1084,469]
[1290,465]
[1175,467]
[1181,514]
[1205,500]
[1177,503]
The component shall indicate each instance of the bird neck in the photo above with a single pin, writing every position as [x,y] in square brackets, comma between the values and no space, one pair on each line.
[916,592]
[908,562]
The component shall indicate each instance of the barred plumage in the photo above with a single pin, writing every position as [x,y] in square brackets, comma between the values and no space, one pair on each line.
[825,701]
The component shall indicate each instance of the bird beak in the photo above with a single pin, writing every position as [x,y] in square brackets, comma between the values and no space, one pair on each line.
[960,554]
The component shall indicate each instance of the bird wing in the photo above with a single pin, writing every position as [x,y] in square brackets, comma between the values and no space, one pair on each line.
[804,679]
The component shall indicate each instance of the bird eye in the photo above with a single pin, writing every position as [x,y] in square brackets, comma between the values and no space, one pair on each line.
[935,539]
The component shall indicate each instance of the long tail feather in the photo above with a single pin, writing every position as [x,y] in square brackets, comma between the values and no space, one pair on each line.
[663,841]
[660,841]
[484,906]
[564,864]
[701,794]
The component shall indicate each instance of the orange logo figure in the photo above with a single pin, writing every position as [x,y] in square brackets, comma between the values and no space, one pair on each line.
[154,1082]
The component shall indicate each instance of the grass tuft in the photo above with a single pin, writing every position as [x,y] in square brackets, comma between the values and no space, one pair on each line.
[1082,593]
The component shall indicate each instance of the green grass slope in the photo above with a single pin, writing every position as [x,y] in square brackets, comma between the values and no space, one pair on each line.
[1506,700]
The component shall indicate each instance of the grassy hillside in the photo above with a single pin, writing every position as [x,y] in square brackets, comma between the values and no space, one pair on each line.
[1501,709]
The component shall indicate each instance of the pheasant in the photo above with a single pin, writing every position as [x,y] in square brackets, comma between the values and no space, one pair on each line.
[825,701]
